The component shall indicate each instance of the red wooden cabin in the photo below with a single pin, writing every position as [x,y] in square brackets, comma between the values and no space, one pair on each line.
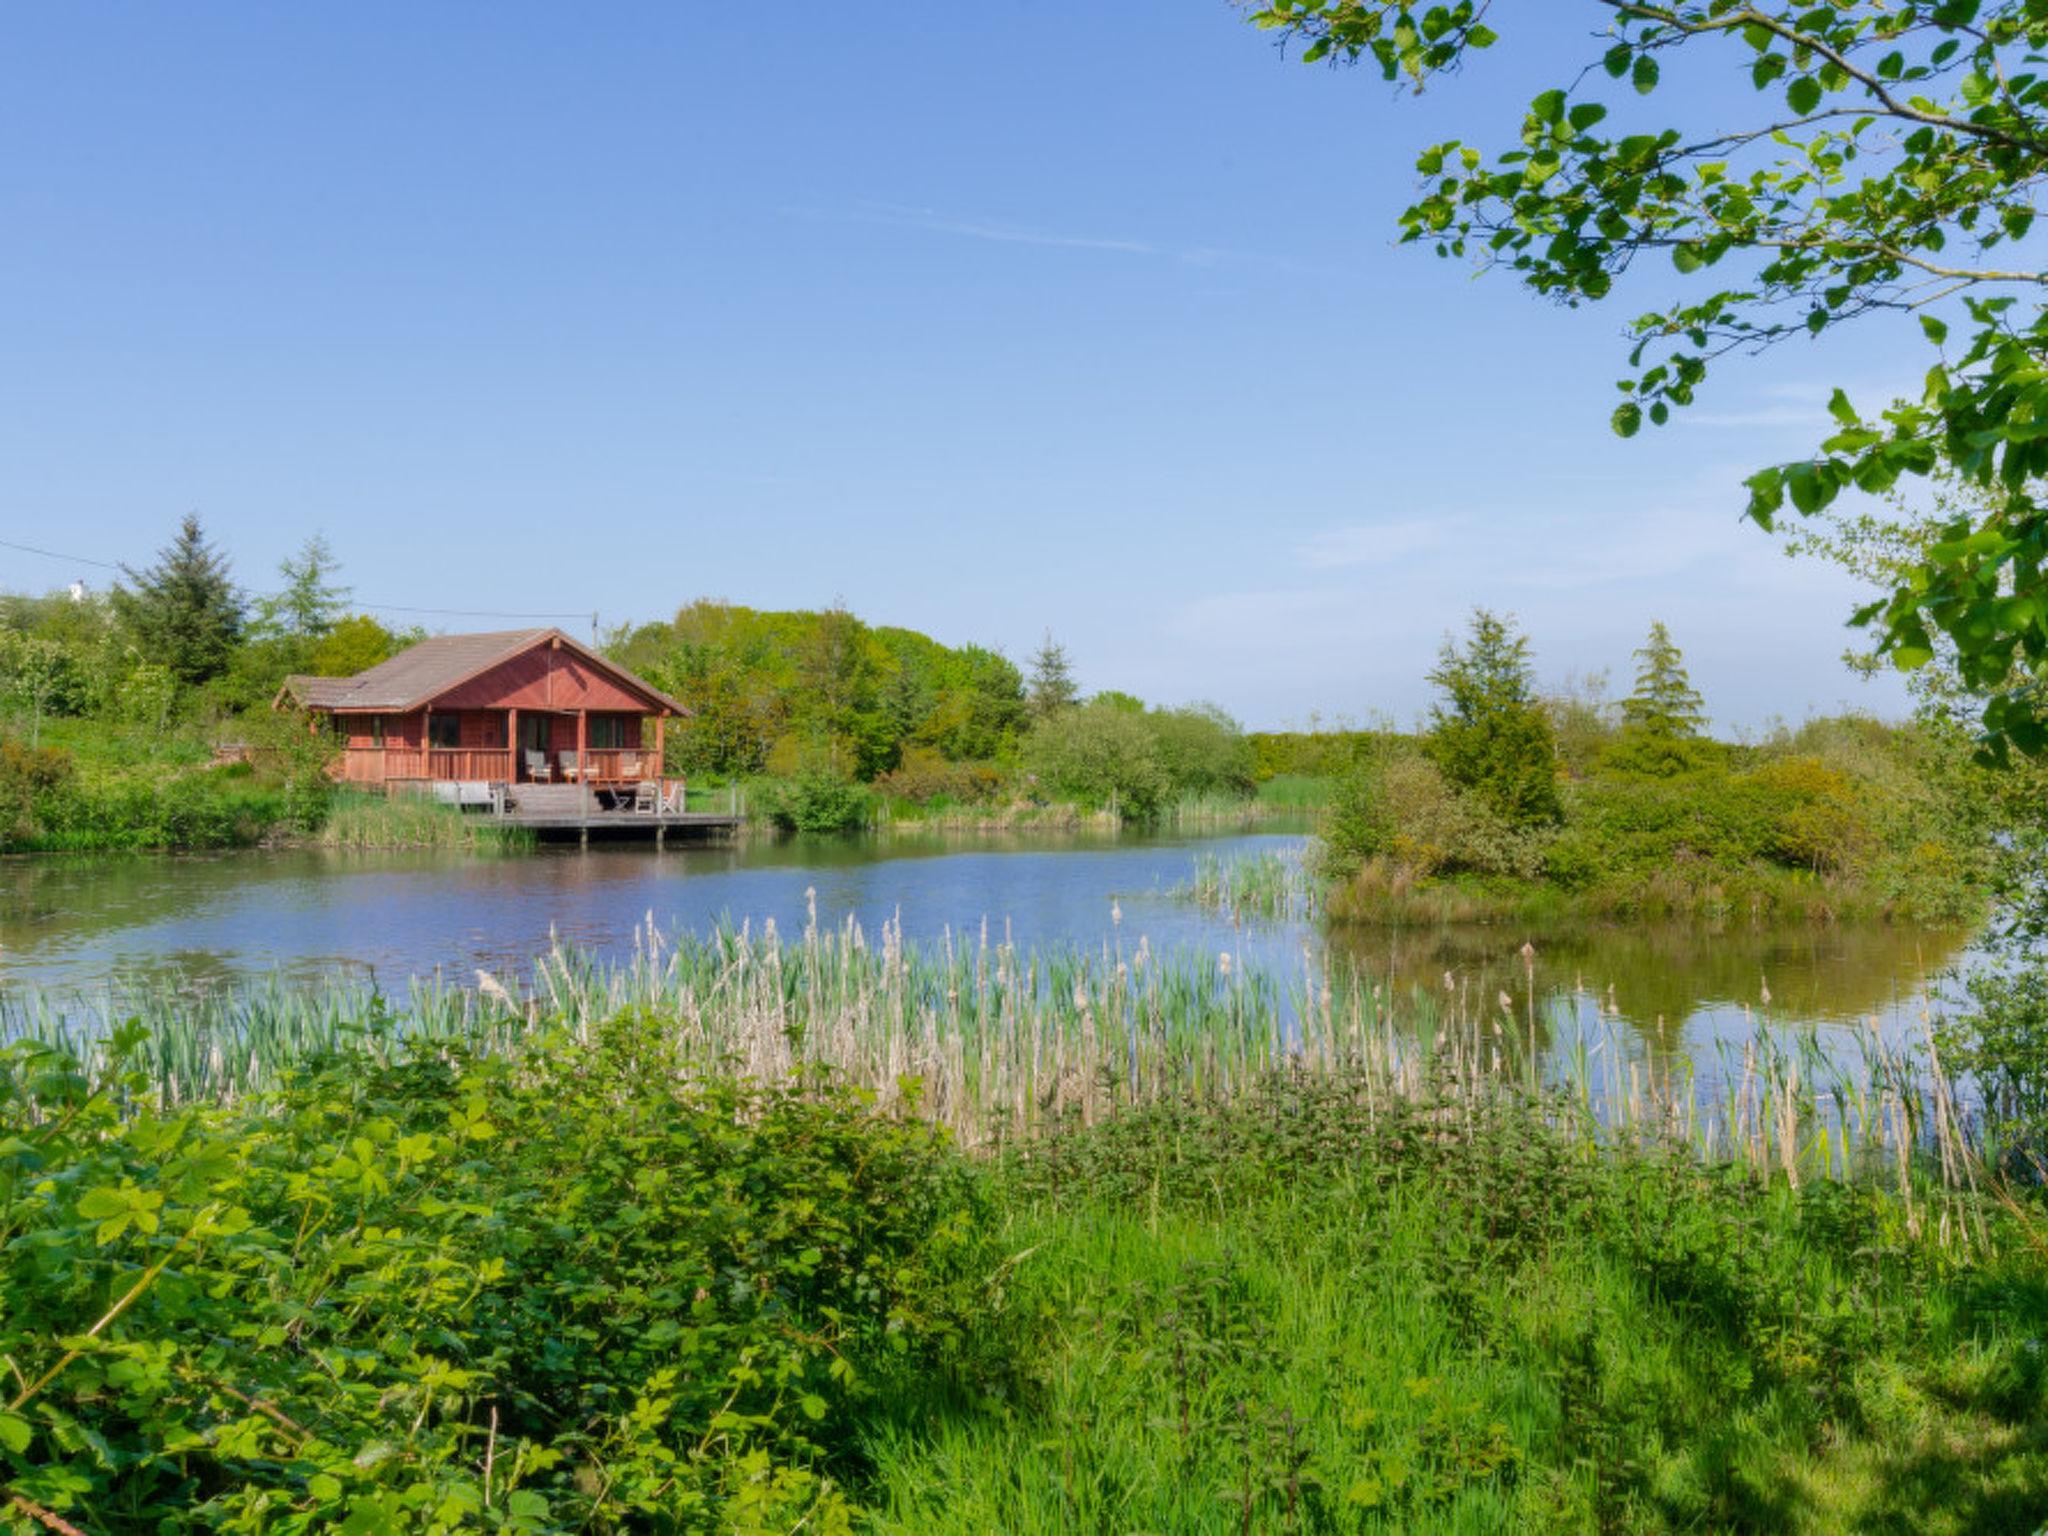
[513,707]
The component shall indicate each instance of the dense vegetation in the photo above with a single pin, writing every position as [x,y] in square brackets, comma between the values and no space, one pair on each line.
[1512,802]
[680,1248]
[112,707]
[839,722]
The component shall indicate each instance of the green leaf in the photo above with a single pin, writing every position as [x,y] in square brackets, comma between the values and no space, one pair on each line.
[15,1432]
[1840,408]
[1548,108]
[1644,75]
[1937,330]
[1803,94]
[1628,419]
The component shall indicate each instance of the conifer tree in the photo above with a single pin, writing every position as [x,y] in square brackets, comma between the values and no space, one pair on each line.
[1665,704]
[184,610]
[1052,680]
[1489,735]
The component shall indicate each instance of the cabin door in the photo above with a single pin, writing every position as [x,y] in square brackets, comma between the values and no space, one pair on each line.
[533,737]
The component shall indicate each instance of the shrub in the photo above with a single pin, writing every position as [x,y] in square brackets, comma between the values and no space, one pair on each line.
[814,800]
[924,776]
[1099,754]
[2003,1042]
[586,1290]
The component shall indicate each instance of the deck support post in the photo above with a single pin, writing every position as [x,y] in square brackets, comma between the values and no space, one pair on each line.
[660,837]
[583,768]
[512,745]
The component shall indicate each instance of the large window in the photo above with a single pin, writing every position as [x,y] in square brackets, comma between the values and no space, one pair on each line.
[607,731]
[444,730]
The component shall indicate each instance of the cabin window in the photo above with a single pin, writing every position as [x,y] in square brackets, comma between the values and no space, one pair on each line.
[607,732]
[376,730]
[444,730]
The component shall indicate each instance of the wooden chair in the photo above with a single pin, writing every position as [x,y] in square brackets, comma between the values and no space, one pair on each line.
[537,768]
[571,768]
[646,798]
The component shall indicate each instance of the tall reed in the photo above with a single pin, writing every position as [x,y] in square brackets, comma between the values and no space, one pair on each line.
[999,1043]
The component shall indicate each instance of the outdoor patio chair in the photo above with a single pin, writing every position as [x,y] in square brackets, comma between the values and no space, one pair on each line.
[571,769]
[537,768]
[646,797]
[673,799]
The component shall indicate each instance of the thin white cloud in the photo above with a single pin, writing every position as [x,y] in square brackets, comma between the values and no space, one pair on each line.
[1370,544]
[1007,232]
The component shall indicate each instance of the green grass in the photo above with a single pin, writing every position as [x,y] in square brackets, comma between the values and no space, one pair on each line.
[1293,1314]
[413,821]
[1295,792]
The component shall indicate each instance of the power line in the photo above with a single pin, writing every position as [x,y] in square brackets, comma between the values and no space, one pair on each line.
[30,549]
[448,613]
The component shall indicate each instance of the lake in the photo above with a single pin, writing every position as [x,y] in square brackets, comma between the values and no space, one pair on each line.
[98,928]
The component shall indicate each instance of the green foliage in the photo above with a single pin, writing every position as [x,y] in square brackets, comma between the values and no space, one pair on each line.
[814,800]
[1892,161]
[2001,1040]
[1488,734]
[585,1290]
[1104,754]
[311,602]
[351,645]
[1310,754]
[925,778]
[1052,688]
[1303,1312]
[770,689]
[184,611]
[1664,702]
[1099,755]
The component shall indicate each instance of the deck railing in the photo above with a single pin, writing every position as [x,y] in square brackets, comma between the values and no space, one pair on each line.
[380,765]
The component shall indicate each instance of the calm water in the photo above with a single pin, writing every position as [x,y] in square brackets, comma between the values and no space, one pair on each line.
[94,926]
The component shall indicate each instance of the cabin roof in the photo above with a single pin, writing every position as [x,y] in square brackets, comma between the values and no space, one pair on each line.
[422,672]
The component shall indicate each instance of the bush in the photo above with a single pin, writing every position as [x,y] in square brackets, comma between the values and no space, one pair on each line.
[2003,1042]
[1099,754]
[814,800]
[585,1290]
[925,777]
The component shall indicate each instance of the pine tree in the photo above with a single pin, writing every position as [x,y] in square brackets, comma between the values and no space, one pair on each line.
[1489,735]
[311,604]
[1052,680]
[184,610]
[1665,704]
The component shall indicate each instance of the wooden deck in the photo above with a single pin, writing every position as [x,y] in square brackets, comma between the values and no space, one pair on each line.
[565,809]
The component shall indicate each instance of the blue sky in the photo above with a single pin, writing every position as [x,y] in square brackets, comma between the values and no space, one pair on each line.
[986,320]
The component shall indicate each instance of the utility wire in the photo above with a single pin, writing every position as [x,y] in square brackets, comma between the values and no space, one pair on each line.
[449,613]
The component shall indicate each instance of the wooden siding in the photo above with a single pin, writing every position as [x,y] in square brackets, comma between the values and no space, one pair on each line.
[544,679]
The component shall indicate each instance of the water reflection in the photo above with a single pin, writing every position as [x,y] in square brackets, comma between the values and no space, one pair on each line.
[91,926]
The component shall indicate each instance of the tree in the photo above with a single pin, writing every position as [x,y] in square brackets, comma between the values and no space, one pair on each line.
[351,645]
[1489,735]
[1891,167]
[1099,754]
[1052,680]
[1664,704]
[35,676]
[310,604]
[184,610]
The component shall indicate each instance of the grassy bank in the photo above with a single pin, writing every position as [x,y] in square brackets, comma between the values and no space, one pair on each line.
[413,821]
[835,1233]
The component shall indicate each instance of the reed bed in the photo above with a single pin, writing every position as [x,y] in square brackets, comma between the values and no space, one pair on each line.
[1271,885]
[366,822]
[1001,1043]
